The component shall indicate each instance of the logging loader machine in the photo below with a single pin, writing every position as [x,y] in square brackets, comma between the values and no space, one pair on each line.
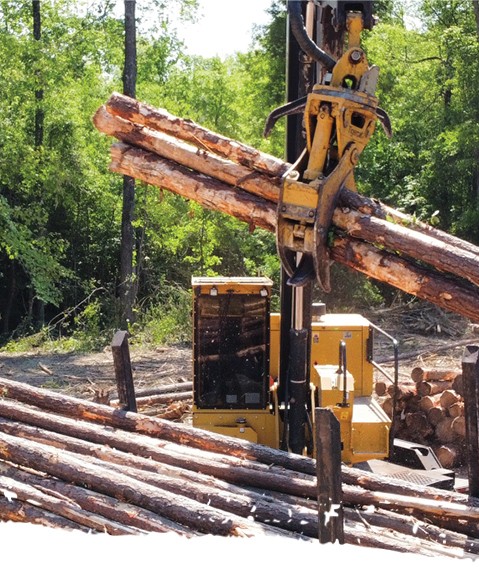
[260,375]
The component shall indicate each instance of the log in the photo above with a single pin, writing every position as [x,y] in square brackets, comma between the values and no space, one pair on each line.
[428,389]
[185,440]
[435,415]
[448,455]
[21,512]
[448,398]
[443,514]
[366,227]
[87,500]
[185,154]
[160,390]
[444,431]
[458,385]
[374,207]
[414,244]
[417,243]
[223,466]
[26,493]
[88,411]
[142,114]
[459,426]
[418,427]
[404,391]
[419,374]
[456,409]
[380,388]
[159,399]
[428,402]
[209,192]
[162,121]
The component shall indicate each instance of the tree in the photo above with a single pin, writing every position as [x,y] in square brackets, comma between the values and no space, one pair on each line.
[128,272]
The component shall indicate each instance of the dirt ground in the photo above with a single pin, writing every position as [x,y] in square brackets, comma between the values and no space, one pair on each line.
[426,337]
[90,375]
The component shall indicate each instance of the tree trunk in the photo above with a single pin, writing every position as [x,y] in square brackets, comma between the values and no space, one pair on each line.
[38,311]
[128,277]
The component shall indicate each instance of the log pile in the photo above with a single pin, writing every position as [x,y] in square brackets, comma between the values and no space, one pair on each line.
[429,409]
[220,174]
[78,465]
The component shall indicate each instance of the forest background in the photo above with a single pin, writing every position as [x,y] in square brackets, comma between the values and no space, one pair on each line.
[62,212]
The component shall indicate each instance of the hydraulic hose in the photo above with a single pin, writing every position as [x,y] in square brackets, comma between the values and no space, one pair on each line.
[299,31]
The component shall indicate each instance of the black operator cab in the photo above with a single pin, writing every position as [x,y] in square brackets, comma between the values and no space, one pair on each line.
[231,354]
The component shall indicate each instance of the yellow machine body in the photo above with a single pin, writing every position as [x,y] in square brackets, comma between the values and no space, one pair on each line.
[236,365]
[364,425]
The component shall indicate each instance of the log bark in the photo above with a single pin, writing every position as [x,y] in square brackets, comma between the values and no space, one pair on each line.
[162,121]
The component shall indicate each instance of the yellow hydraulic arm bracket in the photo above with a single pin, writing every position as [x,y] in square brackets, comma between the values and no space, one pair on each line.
[339,119]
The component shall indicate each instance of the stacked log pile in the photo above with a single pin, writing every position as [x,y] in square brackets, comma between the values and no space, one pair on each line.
[79,465]
[180,156]
[429,409]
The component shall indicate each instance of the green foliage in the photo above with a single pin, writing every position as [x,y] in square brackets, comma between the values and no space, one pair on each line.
[164,319]
[60,207]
